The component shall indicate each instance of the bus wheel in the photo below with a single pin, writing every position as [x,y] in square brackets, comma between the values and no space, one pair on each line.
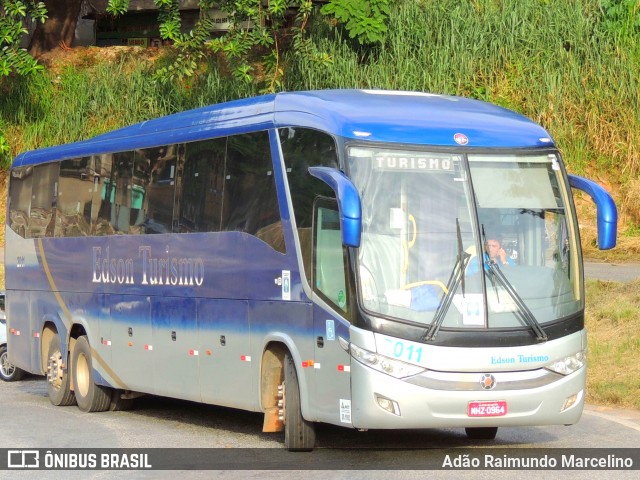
[90,397]
[299,434]
[58,388]
[8,372]
[481,433]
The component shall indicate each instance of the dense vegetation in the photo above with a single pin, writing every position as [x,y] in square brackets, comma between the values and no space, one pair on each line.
[613,326]
[573,66]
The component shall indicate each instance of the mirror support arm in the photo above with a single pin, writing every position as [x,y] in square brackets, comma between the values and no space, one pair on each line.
[607,213]
[348,203]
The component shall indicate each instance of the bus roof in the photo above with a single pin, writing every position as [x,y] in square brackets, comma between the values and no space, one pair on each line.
[367,115]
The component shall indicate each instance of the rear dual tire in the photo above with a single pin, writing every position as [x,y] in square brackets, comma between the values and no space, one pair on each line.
[89,396]
[58,384]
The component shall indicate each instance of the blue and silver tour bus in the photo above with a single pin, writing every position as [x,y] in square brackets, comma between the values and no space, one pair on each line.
[369,259]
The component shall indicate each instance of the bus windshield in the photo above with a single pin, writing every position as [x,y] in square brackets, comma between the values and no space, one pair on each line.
[465,241]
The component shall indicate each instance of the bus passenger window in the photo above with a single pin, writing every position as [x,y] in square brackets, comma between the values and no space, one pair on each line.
[43,200]
[104,190]
[250,197]
[73,217]
[203,186]
[303,148]
[153,190]
[122,178]
[20,199]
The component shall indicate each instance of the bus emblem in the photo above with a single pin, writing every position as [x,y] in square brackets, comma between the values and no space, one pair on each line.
[461,139]
[488,381]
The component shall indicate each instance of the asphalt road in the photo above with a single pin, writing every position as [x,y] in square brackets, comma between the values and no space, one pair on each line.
[29,421]
[613,272]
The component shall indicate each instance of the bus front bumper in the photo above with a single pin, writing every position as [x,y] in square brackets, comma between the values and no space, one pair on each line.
[380,401]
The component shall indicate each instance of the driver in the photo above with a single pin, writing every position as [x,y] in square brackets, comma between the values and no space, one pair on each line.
[493,253]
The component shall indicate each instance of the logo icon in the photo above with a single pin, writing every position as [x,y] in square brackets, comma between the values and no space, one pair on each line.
[488,381]
[286,285]
[23,459]
[461,139]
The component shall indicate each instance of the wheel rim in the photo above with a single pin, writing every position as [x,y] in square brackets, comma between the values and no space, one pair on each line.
[282,403]
[82,375]
[54,370]
[5,366]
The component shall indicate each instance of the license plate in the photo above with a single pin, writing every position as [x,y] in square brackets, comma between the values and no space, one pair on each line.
[487,409]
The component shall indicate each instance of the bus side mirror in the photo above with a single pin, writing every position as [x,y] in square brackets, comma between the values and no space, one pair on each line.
[606,210]
[348,203]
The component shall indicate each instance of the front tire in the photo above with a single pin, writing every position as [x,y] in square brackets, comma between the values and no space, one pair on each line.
[481,433]
[299,434]
[90,397]
[58,386]
[8,372]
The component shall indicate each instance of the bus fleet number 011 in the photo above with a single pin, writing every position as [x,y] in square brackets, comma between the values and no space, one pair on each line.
[400,350]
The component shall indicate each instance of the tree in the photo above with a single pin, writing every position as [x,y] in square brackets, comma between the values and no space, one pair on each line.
[14,59]
[365,20]
[13,13]
[252,39]
[59,29]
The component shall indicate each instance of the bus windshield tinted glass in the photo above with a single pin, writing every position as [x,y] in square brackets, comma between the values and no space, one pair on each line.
[424,255]
[417,220]
[529,233]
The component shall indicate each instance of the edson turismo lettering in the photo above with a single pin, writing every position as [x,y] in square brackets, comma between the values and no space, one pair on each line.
[111,270]
[181,271]
[500,360]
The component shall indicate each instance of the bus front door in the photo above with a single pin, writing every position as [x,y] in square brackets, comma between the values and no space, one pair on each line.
[332,362]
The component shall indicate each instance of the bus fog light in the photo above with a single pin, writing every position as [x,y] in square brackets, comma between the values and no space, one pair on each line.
[571,401]
[387,404]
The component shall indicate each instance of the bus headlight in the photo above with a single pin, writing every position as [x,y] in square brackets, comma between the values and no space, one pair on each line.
[384,364]
[568,365]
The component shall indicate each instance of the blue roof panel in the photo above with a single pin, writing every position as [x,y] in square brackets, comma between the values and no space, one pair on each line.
[411,117]
[366,115]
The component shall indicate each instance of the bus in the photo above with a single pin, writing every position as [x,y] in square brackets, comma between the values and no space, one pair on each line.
[318,256]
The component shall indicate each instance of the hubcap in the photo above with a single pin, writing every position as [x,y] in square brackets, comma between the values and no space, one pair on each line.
[82,375]
[7,368]
[54,370]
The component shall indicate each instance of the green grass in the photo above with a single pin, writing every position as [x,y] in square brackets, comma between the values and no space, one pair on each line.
[560,63]
[565,64]
[613,326]
[74,102]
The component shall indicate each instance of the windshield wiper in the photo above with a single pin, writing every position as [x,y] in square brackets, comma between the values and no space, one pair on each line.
[528,316]
[456,278]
